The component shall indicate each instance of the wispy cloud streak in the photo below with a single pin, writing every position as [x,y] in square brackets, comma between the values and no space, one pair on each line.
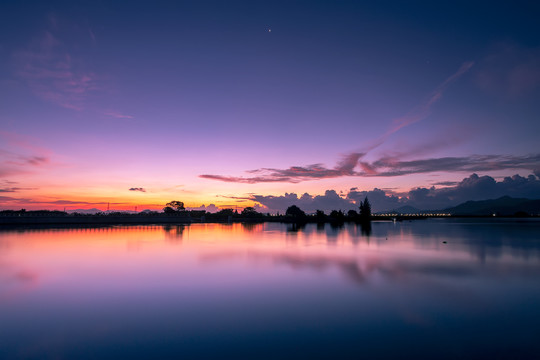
[52,74]
[296,174]
[20,154]
[349,162]
[422,111]
[117,115]
[389,167]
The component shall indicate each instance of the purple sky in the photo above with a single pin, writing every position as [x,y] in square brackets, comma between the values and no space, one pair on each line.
[234,103]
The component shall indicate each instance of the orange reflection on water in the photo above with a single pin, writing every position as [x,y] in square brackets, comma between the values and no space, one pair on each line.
[91,285]
[136,259]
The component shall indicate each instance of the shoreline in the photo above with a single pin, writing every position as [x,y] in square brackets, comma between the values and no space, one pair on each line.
[94,220]
[101,220]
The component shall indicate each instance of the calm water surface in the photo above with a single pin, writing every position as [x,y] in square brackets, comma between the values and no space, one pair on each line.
[273,291]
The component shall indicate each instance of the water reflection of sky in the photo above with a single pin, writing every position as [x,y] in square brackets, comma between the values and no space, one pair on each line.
[445,288]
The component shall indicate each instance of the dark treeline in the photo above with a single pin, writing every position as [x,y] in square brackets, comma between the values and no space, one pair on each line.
[175,212]
[175,208]
[23,212]
[293,214]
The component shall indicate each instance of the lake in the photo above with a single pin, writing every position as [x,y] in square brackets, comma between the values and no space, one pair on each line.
[425,289]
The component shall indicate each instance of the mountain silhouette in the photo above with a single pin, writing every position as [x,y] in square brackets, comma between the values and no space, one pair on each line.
[503,206]
[406,209]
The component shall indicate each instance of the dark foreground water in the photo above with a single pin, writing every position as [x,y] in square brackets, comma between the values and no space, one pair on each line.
[273,291]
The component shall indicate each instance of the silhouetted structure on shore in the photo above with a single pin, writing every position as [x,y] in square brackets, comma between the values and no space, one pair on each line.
[175,213]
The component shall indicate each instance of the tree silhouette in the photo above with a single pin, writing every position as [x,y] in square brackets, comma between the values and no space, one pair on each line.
[365,210]
[250,212]
[225,212]
[337,216]
[169,210]
[173,207]
[320,216]
[295,212]
[176,205]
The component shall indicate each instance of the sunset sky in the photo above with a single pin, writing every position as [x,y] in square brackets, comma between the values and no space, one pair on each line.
[242,103]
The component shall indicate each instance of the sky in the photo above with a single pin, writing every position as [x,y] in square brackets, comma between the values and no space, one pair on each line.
[267,103]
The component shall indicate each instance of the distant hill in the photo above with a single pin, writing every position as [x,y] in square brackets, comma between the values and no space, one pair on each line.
[95,211]
[402,210]
[504,206]
[85,211]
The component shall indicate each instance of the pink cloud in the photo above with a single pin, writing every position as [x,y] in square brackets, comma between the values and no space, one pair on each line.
[92,35]
[28,160]
[20,154]
[387,166]
[423,110]
[346,166]
[22,142]
[52,74]
[510,71]
[117,115]
[294,174]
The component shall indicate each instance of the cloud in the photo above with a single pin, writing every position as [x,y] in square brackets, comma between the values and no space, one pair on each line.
[36,160]
[28,160]
[10,199]
[390,166]
[348,162]
[379,199]
[446,183]
[53,74]
[295,174]
[20,154]
[55,70]
[210,208]
[387,166]
[71,202]
[14,189]
[23,201]
[474,187]
[92,36]
[140,189]
[421,112]
[22,142]
[117,115]
[245,180]
[329,201]
[510,71]
[20,202]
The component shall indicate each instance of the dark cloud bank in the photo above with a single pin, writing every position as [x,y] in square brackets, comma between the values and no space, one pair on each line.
[473,187]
